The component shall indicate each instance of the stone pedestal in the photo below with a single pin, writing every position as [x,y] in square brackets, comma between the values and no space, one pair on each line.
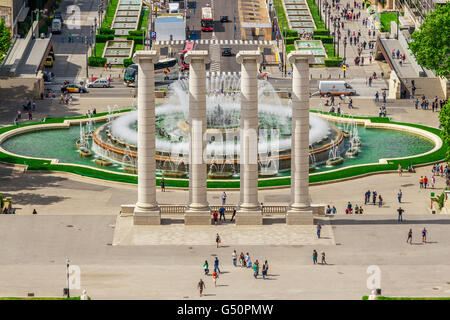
[197,211]
[300,211]
[249,210]
[146,210]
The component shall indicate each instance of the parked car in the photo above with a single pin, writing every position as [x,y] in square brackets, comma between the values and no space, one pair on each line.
[226,51]
[48,62]
[99,83]
[335,88]
[74,88]
[224,19]
[58,15]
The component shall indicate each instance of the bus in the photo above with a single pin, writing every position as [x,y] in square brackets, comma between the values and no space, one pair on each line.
[167,69]
[189,46]
[207,19]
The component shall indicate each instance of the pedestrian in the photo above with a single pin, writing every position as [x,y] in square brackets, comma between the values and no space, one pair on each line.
[34,211]
[384,96]
[215,215]
[206,267]
[242,259]
[421,182]
[34,106]
[222,214]
[233,215]
[433,181]
[333,210]
[367,197]
[255,269]
[399,196]
[163,185]
[201,286]
[224,198]
[234,256]
[248,260]
[400,214]
[30,115]
[265,268]
[328,210]
[400,170]
[380,201]
[377,97]
[409,239]
[424,235]
[314,257]
[425,181]
[218,241]
[215,276]
[319,227]
[216,265]
[374,197]
[323,258]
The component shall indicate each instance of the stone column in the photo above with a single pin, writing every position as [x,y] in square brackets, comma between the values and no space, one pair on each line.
[300,211]
[249,211]
[197,211]
[146,210]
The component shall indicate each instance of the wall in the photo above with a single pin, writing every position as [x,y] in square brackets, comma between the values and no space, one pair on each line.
[21,88]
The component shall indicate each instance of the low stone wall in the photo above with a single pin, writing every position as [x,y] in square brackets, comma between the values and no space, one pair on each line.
[20,89]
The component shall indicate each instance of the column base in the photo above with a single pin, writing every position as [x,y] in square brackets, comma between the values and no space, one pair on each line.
[197,217]
[143,216]
[299,216]
[245,217]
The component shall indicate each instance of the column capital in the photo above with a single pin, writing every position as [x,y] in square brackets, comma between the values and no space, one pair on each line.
[249,55]
[145,54]
[202,55]
[300,56]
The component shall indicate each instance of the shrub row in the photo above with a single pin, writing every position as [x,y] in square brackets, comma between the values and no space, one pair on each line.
[290,33]
[137,40]
[291,40]
[96,61]
[127,62]
[136,33]
[325,39]
[100,38]
[321,32]
[106,31]
[333,62]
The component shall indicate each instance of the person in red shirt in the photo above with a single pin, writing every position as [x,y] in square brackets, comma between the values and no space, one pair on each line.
[425,181]
[215,217]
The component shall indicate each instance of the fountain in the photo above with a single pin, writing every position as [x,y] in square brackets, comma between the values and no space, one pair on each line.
[223,131]
[83,144]
[334,159]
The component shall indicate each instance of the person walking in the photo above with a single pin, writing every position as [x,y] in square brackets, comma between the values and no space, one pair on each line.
[255,269]
[234,256]
[206,267]
[425,181]
[374,196]
[399,196]
[333,210]
[400,214]
[265,267]
[215,215]
[380,201]
[424,235]
[222,213]
[433,181]
[215,276]
[242,259]
[421,182]
[218,241]
[314,256]
[400,170]
[216,265]
[233,215]
[319,227]
[224,198]
[409,239]
[367,197]
[163,185]
[34,211]
[201,286]
[323,258]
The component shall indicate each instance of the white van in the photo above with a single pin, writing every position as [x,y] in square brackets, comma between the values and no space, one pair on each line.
[174,7]
[56,25]
[335,88]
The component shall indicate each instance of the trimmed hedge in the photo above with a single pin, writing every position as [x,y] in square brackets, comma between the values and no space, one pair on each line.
[104,37]
[104,31]
[136,33]
[291,40]
[325,39]
[333,62]
[137,40]
[96,61]
[127,62]
[321,32]
[290,33]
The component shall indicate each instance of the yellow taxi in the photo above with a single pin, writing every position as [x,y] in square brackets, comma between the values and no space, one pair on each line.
[49,62]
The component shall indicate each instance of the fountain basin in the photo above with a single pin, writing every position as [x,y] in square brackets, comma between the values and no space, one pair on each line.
[130,169]
[220,175]
[352,152]
[103,162]
[85,153]
[335,161]
[174,174]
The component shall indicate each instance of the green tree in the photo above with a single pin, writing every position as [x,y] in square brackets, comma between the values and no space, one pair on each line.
[444,118]
[431,43]
[5,39]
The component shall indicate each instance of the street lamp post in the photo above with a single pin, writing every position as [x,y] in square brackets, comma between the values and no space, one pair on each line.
[86,40]
[338,33]
[345,51]
[334,38]
[68,280]
[320,9]
[329,14]
[285,50]
[325,12]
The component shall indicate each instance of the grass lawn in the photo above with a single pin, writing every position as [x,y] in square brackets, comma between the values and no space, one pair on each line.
[109,16]
[99,46]
[289,48]
[144,17]
[320,24]
[386,18]
[282,20]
